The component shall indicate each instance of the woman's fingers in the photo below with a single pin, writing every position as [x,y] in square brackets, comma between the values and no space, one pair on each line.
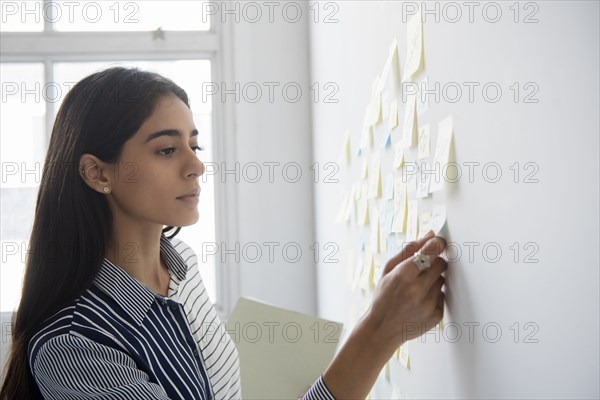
[408,250]
[431,249]
[431,274]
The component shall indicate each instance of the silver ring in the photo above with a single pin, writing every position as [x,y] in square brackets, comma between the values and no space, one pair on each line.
[423,261]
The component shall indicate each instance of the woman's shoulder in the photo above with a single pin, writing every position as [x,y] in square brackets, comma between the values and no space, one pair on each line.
[58,325]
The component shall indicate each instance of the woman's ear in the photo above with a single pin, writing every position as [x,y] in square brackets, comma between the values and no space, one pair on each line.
[95,173]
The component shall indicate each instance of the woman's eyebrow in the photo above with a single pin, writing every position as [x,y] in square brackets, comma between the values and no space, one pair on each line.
[169,132]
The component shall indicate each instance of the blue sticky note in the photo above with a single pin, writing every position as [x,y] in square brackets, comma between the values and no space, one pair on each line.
[387,140]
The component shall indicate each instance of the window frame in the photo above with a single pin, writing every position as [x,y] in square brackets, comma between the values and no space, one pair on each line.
[215,45]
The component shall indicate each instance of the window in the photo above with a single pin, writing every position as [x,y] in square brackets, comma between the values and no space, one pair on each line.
[49,45]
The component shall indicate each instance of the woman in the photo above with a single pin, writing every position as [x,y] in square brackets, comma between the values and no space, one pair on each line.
[112,308]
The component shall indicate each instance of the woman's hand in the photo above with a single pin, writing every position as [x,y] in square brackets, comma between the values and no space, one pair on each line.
[407,301]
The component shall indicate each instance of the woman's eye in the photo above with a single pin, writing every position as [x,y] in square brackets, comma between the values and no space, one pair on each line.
[197,148]
[166,152]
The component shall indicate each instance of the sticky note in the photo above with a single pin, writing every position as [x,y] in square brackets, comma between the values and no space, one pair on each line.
[423,185]
[366,271]
[423,97]
[423,144]
[398,155]
[389,219]
[386,371]
[383,232]
[377,271]
[343,208]
[366,138]
[363,212]
[414,46]
[364,172]
[411,182]
[408,128]
[393,117]
[350,206]
[442,151]
[411,221]
[391,247]
[345,154]
[375,176]
[389,186]
[399,205]
[390,63]
[438,217]
[370,268]
[376,109]
[404,355]
[424,223]
[375,231]
[386,140]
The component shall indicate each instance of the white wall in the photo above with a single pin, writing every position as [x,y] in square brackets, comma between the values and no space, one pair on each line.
[274,53]
[560,213]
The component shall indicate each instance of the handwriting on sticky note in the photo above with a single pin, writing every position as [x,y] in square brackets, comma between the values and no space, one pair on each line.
[414,46]
[442,151]
[424,140]
[408,128]
[411,221]
[399,205]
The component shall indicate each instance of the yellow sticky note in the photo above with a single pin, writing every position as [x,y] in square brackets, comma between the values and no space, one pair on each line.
[424,142]
[350,207]
[386,372]
[358,272]
[399,205]
[411,221]
[393,119]
[390,64]
[375,231]
[382,233]
[365,169]
[378,270]
[414,46]
[357,193]
[375,176]
[408,127]
[376,104]
[405,355]
[424,223]
[374,107]
[398,155]
[363,211]
[442,150]
[343,208]
[346,151]
[366,138]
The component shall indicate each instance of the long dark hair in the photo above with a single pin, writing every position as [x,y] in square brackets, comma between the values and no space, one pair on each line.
[72,221]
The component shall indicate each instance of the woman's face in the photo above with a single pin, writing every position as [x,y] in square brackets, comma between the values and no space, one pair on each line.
[158,165]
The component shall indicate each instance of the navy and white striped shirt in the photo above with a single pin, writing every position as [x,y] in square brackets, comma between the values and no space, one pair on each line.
[120,340]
